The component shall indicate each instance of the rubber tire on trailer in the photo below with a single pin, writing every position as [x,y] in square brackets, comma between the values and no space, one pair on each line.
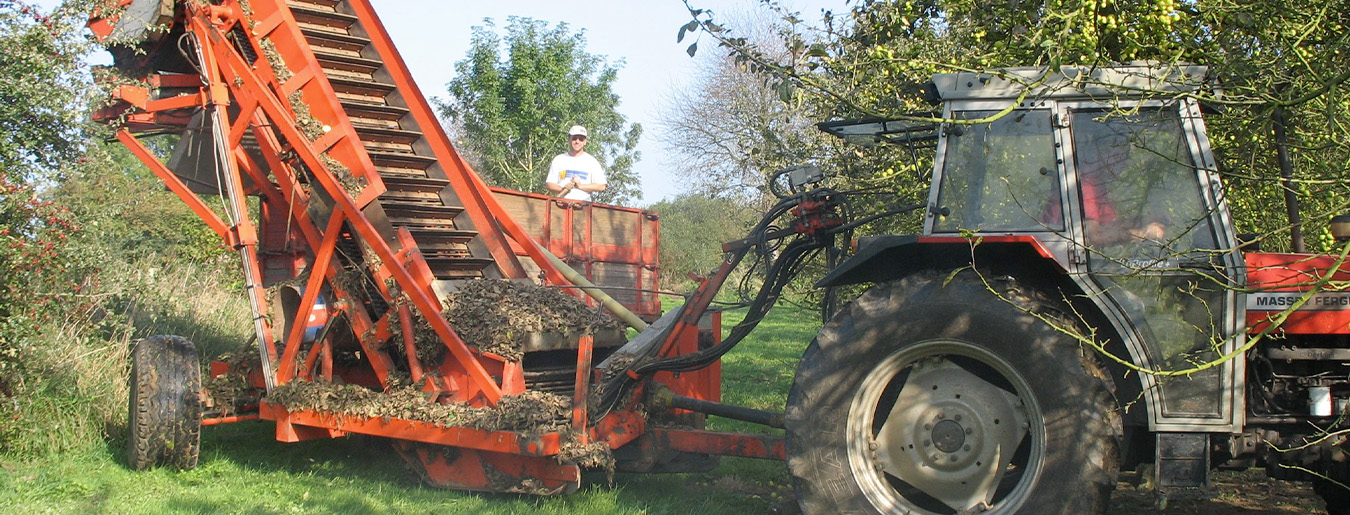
[164,425]
[917,327]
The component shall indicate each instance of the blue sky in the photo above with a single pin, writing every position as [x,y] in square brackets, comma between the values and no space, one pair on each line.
[433,34]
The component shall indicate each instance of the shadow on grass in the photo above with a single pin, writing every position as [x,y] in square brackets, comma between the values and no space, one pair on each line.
[347,470]
[363,474]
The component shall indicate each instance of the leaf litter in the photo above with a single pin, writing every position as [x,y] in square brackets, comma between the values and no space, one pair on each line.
[490,315]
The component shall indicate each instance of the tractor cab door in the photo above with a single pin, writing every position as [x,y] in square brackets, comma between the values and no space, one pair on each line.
[1157,253]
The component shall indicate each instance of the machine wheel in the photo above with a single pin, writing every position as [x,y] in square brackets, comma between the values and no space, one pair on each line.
[929,398]
[164,425]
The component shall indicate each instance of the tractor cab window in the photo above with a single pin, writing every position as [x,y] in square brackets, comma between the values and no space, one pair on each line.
[1150,244]
[1141,198]
[1000,176]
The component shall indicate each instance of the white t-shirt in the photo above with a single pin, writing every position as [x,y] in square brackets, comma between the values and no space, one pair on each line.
[582,168]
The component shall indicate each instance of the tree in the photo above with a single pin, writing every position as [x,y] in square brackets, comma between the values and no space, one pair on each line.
[693,228]
[1278,64]
[42,128]
[41,89]
[511,114]
[731,130]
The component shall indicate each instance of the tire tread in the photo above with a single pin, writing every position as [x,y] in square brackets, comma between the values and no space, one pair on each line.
[164,409]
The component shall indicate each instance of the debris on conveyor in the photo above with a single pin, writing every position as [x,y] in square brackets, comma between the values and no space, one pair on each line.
[530,412]
[496,315]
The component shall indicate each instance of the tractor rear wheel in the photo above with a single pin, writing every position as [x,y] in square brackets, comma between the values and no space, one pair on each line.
[925,397]
[164,424]
[1334,491]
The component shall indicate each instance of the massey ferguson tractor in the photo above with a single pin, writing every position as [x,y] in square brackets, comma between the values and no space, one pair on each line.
[1077,303]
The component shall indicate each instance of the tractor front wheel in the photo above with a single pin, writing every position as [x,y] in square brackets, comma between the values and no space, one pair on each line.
[925,397]
[164,425]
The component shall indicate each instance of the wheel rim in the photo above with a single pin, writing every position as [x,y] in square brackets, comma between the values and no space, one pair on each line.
[942,427]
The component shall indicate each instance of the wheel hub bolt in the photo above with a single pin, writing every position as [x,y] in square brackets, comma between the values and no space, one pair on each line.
[957,418]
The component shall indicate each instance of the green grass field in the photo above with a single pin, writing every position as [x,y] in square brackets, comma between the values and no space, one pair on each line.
[244,470]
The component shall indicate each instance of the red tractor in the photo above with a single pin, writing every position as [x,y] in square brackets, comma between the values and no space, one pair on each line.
[1078,301]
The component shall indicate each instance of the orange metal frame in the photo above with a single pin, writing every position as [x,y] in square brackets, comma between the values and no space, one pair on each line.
[247,98]
[562,240]
[227,80]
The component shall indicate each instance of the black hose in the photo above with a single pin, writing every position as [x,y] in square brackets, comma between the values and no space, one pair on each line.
[780,272]
[783,270]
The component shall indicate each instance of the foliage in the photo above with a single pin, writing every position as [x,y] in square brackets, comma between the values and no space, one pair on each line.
[77,218]
[82,282]
[130,214]
[1271,59]
[40,129]
[511,113]
[693,228]
[71,395]
[41,91]
[34,270]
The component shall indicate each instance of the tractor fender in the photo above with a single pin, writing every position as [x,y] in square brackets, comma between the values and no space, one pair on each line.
[885,258]
[882,258]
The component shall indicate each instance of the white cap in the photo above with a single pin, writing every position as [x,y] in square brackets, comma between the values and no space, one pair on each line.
[577,130]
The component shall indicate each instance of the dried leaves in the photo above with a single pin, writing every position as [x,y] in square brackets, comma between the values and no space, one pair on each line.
[311,127]
[278,64]
[530,412]
[344,176]
[496,315]
[226,392]
[594,455]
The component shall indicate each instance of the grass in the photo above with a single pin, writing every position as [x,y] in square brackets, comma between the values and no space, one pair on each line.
[244,470]
[72,432]
[71,395]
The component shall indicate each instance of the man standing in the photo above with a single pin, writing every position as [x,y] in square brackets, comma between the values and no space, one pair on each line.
[574,175]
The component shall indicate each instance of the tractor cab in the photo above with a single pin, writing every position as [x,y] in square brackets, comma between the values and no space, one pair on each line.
[1107,172]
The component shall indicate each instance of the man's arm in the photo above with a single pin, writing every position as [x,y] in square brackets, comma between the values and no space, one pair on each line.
[554,170]
[561,189]
[592,187]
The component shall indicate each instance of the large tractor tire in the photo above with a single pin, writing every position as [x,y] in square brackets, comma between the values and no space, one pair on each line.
[929,398]
[1335,491]
[164,426]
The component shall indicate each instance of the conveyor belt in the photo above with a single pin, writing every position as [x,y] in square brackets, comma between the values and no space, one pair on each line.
[417,196]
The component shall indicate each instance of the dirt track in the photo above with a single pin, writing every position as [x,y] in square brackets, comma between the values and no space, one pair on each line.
[1248,491]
